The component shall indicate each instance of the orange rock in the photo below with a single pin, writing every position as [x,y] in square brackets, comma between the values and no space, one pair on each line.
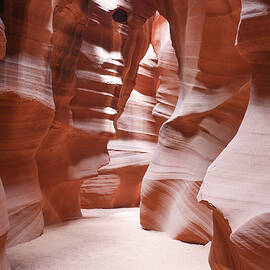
[236,184]
[26,112]
[3,40]
[77,105]
[207,115]
[4,226]
[118,183]
[55,162]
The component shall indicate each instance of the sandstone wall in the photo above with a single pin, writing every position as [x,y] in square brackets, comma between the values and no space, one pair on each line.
[76,107]
[27,109]
[60,89]
[118,183]
[236,184]
[4,223]
[212,101]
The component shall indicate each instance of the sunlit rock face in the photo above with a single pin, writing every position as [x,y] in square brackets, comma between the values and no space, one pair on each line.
[212,100]
[77,108]
[237,183]
[65,76]
[57,164]
[118,183]
[67,70]
[26,111]
[168,72]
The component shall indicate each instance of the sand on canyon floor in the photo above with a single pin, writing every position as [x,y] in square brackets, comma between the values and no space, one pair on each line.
[106,240]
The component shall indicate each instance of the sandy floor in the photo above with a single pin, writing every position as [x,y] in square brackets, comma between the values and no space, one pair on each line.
[106,240]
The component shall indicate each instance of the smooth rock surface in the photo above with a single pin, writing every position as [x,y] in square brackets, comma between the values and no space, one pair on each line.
[118,184]
[212,100]
[242,210]
[26,112]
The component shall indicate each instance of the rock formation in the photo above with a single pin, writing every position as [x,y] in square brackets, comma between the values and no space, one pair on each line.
[4,223]
[150,104]
[56,162]
[3,40]
[168,73]
[212,101]
[26,108]
[118,183]
[236,184]
[76,107]
[59,106]
[60,89]
[4,226]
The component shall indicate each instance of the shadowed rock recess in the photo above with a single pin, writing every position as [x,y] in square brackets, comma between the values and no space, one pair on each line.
[156,104]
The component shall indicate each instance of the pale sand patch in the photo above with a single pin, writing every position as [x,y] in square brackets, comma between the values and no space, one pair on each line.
[107,240]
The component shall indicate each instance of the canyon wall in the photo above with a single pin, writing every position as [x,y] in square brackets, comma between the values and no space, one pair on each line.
[81,120]
[236,183]
[4,223]
[151,102]
[118,184]
[27,109]
[213,96]
[200,144]
[60,90]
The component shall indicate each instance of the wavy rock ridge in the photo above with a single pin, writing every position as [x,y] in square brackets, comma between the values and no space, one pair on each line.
[202,135]
[60,90]
[76,107]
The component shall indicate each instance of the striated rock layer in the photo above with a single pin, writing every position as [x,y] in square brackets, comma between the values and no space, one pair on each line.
[4,226]
[56,164]
[4,223]
[212,100]
[3,40]
[237,183]
[69,68]
[168,73]
[71,81]
[26,112]
[118,184]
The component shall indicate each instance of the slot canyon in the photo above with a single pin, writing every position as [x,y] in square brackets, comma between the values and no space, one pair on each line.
[134,135]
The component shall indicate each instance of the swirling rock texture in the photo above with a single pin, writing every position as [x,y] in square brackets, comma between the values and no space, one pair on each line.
[241,211]
[168,74]
[57,163]
[118,184]
[69,83]
[150,104]
[94,105]
[212,101]
[60,104]
[4,223]
[26,109]
[60,90]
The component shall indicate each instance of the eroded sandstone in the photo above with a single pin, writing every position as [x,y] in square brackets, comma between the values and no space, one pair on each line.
[76,107]
[241,210]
